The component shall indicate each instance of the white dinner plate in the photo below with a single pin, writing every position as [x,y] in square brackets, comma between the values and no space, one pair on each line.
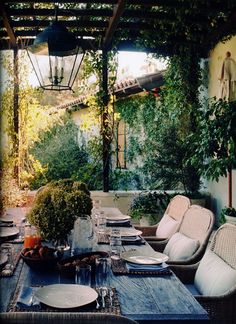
[66,295]
[117,217]
[8,231]
[7,219]
[129,232]
[144,258]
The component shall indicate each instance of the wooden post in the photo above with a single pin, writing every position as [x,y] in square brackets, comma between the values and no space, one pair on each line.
[230,188]
[105,124]
[16,114]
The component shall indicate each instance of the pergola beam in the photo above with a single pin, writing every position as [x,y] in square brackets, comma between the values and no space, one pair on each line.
[149,3]
[7,25]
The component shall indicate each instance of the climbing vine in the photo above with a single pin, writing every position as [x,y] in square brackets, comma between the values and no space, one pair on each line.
[159,128]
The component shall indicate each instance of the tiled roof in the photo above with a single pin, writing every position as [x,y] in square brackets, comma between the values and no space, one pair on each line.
[124,88]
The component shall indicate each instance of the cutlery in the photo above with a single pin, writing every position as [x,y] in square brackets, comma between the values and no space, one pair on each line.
[111,294]
[98,300]
[104,294]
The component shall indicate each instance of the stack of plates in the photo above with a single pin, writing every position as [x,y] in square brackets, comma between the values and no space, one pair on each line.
[118,219]
[129,234]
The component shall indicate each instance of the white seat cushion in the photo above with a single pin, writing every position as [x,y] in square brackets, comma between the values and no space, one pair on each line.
[180,247]
[214,276]
[167,227]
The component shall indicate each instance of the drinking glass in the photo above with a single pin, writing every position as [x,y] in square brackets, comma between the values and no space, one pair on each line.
[83,274]
[18,221]
[101,223]
[102,272]
[6,250]
[115,244]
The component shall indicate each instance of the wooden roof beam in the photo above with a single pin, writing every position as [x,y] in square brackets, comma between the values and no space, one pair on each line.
[113,22]
[7,25]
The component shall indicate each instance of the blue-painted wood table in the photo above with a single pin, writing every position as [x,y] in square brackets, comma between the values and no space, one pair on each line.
[145,298]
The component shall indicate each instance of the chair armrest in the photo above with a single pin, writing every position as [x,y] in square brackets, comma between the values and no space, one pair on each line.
[147,230]
[158,245]
[185,273]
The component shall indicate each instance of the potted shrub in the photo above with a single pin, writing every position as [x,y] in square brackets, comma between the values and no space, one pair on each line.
[228,214]
[56,206]
[148,207]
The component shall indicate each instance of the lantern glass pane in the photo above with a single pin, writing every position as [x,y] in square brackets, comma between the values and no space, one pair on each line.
[55,72]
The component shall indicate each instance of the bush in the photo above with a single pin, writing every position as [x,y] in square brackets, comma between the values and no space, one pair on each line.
[59,153]
[149,203]
[56,207]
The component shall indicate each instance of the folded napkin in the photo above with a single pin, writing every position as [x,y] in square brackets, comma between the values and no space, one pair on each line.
[145,267]
[27,300]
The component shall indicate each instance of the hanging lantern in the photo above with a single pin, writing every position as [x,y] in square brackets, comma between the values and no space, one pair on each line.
[56,57]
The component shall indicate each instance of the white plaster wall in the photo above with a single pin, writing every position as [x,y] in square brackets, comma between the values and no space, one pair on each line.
[215,63]
[219,190]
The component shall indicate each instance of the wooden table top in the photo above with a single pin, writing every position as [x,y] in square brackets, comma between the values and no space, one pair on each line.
[145,298]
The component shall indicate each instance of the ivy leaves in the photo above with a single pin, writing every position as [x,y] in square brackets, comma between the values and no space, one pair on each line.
[214,151]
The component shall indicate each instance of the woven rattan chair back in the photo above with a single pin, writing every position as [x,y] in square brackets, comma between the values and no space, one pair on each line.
[224,244]
[197,223]
[62,318]
[177,207]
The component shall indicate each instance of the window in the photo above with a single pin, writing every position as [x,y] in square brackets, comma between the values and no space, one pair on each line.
[121,145]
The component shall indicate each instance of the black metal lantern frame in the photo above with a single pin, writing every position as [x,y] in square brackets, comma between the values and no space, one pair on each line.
[56,57]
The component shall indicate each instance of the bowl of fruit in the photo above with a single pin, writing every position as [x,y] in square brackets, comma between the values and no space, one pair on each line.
[41,257]
[67,266]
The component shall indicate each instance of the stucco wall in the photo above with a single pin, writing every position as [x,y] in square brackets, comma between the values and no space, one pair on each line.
[215,63]
[219,191]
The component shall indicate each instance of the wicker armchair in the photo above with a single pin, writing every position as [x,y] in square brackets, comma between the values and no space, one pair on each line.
[62,318]
[221,308]
[197,224]
[175,209]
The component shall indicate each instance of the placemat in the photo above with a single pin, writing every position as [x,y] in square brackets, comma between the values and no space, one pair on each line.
[113,308]
[16,258]
[125,224]
[104,239]
[119,267]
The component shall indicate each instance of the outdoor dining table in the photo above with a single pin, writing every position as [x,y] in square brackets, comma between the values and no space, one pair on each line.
[143,297]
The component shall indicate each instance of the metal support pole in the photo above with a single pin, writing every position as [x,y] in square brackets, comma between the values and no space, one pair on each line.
[105,123]
[16,114]
[230,188]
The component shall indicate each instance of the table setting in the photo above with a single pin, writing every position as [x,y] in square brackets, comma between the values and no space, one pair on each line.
[130,270]
[86,290]
[128,236]
[137,262]
[66,297]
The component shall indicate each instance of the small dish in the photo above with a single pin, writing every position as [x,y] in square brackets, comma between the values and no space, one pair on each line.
[41,263]
[139,257]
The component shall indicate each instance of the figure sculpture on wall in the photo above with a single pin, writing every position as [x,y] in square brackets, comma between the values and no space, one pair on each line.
[228,79]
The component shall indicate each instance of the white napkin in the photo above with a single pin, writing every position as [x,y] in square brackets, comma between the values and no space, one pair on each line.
[27,300]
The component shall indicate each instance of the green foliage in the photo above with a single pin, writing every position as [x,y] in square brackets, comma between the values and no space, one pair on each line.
[214,144]
[165,124]
[227,211]
[57,150]
[149,203]
[10,194]
[122,179]
[57,205]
